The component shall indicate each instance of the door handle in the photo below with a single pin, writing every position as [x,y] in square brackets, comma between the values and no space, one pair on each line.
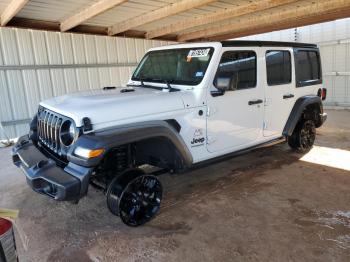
[254,102]
[288,96]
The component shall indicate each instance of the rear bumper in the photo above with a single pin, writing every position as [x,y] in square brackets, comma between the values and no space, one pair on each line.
[323,118]
[45,177]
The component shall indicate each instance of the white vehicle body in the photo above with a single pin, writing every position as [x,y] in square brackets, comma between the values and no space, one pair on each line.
[228,122]
[184,105]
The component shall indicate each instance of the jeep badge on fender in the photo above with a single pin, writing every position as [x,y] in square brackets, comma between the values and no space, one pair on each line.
[109,135]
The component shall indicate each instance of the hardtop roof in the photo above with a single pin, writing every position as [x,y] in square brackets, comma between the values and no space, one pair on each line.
[266,43]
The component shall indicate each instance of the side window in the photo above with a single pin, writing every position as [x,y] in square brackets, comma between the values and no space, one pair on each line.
[239,67]
[278,67]
[308,67]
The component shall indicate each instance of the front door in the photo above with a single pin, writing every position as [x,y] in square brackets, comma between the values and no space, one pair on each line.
[235,119]
[279,89]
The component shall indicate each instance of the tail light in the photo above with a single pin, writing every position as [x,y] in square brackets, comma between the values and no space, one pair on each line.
[7,242]
[322,93]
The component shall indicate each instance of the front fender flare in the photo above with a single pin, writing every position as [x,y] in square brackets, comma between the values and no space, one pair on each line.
[121,135]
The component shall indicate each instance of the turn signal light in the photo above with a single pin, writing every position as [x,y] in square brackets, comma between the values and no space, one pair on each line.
[88,153]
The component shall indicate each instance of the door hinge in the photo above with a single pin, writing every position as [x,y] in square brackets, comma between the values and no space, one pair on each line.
[264,125]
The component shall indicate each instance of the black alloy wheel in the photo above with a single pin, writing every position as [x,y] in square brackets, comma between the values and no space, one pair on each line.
[135,197]
[303,136]
[307,135]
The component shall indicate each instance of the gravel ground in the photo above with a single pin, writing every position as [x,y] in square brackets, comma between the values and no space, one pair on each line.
[267,205]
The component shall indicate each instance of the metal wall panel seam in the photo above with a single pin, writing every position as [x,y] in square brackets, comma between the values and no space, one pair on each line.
[12,131]
[25,57]
[15,122]
[61,66]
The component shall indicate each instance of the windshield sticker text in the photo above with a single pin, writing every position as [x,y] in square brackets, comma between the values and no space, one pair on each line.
[198,53]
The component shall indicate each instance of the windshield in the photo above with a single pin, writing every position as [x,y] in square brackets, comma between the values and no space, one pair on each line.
[186,66]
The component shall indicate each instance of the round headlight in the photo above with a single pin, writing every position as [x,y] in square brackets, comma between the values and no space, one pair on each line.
[68,133]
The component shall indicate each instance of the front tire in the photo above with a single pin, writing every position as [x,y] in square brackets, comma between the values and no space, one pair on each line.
[135,197]
[303,136]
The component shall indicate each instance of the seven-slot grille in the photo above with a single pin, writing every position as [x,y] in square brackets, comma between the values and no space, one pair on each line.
[49,124]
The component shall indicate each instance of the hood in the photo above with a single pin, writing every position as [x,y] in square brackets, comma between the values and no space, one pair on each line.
[103,106]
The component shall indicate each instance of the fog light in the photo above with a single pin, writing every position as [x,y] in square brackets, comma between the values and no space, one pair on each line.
[88,153]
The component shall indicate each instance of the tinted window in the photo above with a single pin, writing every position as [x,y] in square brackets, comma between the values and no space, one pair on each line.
[185,66]
[239,67]
[308,67]
[278,67]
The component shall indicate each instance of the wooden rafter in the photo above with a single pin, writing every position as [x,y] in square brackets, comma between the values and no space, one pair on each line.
[89,12]
[11,10]
[27,23]
[244,9]
[315,19]
[157,14]
[298,13]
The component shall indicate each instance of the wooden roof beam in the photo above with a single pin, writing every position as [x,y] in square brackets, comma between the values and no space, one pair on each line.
[89,12]
[26,23]
[285,25]
[206,19]
[299,12]
[157,14]
[11,10]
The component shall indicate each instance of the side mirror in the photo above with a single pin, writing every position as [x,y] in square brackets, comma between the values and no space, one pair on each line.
[222,84]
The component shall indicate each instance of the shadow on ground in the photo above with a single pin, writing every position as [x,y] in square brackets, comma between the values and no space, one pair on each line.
[266,205]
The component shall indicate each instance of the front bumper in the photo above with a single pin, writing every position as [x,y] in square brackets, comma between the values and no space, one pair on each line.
[45,177]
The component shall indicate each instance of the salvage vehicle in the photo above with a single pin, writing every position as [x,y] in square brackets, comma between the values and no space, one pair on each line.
[185,105]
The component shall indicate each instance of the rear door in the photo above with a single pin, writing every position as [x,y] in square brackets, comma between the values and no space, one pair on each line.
[279,89]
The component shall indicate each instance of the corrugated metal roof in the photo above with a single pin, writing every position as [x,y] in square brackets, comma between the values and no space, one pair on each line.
[104,19]
[53,10]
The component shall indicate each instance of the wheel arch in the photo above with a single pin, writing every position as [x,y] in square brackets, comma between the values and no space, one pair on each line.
[156,131]
[309,107]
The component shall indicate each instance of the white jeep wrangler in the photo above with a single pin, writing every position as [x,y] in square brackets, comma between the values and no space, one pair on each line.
[185,105]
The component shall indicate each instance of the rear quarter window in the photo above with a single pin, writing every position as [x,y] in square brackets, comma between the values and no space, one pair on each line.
[307,67]
[278,67]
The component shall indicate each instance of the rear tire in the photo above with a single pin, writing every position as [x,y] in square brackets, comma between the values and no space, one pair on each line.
[303,136]
[135,197]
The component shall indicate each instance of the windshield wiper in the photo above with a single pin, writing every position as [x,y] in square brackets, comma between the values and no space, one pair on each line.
[142,83]
[167,82]
[169,87]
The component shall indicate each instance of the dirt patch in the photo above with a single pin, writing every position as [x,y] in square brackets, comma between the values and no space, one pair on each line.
[266,205]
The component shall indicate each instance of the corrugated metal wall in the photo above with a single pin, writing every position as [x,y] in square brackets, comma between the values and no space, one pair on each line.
[36,65]
[334,41]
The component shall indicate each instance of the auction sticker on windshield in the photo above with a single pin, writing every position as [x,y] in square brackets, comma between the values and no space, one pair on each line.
[198,52]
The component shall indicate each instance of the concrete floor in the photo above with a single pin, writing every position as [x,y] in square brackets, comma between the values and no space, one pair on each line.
[267,205]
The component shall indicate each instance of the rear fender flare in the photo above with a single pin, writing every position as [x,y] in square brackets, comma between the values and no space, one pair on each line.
[298,110]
